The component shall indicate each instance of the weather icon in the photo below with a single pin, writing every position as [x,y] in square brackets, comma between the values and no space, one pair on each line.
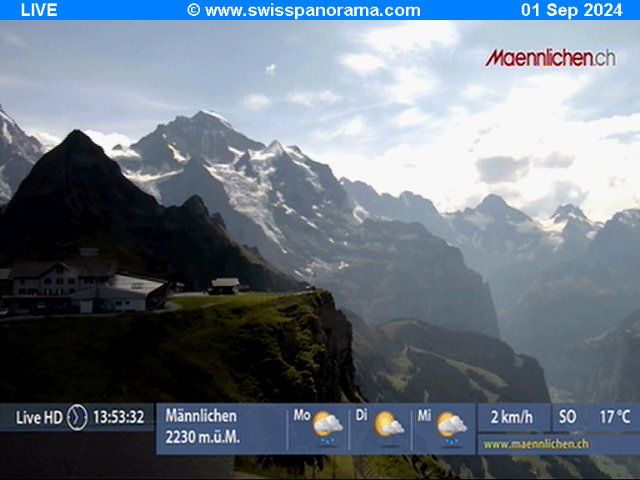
[325,423]
[386,425]
[449,425]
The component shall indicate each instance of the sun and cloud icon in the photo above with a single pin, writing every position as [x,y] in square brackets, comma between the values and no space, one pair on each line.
[325,423]
[386,425]
[449,425]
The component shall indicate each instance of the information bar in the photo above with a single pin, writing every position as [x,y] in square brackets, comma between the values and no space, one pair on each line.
[567,10]
[347,428]
[397,429]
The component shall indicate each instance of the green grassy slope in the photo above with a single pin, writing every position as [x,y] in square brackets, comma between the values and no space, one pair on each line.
[245,348]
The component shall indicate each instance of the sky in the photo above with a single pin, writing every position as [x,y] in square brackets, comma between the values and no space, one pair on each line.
[399,105]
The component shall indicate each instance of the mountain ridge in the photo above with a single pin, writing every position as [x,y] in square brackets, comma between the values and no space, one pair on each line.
[76,195]
[301,220]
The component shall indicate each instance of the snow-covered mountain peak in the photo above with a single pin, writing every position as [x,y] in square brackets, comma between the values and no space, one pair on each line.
[568,212]
[216,116]
[212,117]
[18,153]
[275,148]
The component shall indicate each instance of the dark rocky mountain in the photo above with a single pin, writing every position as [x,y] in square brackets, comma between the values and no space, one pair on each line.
[610,362]
[18,153]
[75,195]
[302,220]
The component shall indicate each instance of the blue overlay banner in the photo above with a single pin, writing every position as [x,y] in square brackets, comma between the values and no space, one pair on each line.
[567,10]
[348,429]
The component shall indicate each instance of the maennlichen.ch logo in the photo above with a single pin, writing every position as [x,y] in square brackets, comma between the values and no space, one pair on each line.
[551,57]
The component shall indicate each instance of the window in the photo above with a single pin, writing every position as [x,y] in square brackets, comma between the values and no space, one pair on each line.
[72,281]
[47,281]
[72,290]
[59,281]
[22,281]
[127,302]
[21,291]
[119,302]
[59,270]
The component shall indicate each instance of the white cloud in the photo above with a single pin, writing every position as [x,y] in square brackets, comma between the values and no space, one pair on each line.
[363,64]
[270,70]
[355,127]
[394,428]
[256,102]
[475,92]
[328,424]
[310,99]
[409,85]
[531,120]
[108,140]
[452,426]
[47,140]
[410,117]
[412,36]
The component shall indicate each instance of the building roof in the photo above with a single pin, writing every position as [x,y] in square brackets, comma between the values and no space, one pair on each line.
[83,267]
[122,286]
[106,292]
[225,282]
[136,284]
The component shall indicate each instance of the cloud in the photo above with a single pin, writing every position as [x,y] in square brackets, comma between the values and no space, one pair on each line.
[13,39]
[310,99]
[410,117]
[108,140]
[560,193]
[270,69]
[256,102]
[626,137]
[502,169]
[363,63]
[475,92]
[412,36]
[355,127]
[328,424]
[394,428]
[452,426]
[556,160]
[409,85]
[47,140]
